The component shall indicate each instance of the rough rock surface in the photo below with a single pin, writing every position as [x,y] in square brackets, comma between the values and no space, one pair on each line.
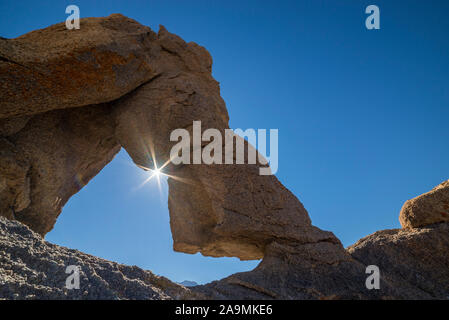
[56,68]
[51,159]
[428,208]
[415,260]
[321,270]
[31,268]
[413,264]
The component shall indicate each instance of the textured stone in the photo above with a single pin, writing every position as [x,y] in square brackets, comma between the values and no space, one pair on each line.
[298,271]
[412,263]
[51,159]
[31,268]
[9,126]
[14,179]
[428,208]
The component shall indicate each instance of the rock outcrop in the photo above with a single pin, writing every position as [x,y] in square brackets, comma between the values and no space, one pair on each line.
[428,208]
[71,99]
[31,268]
[413,264]
[415,261]
[321,270]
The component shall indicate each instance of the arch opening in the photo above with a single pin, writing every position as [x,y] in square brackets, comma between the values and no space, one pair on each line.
[122,216]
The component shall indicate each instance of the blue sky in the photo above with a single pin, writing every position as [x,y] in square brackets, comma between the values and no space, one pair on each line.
[362,115]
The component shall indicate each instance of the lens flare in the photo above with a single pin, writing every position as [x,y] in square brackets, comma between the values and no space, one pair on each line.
[157,173]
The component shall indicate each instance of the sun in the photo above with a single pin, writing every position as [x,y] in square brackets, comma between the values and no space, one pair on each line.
[156,172]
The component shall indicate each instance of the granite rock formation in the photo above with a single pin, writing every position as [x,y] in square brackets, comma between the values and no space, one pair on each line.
[413,264]
[71,99]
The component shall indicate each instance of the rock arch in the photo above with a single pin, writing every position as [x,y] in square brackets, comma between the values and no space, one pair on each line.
[71,99]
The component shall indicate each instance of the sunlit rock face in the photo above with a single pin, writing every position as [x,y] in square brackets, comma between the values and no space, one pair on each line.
[428,208]
[56,68]
[71,98]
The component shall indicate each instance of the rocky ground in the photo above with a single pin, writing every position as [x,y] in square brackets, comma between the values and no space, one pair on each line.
[32,268]
[413,264]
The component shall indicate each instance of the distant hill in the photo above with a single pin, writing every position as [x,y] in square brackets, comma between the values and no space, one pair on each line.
[187,283]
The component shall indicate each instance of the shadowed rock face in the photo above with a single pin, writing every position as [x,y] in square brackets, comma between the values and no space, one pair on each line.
[64,150]
[70,99]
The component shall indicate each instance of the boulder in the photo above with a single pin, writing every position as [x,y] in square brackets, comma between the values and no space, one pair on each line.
[428,208]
